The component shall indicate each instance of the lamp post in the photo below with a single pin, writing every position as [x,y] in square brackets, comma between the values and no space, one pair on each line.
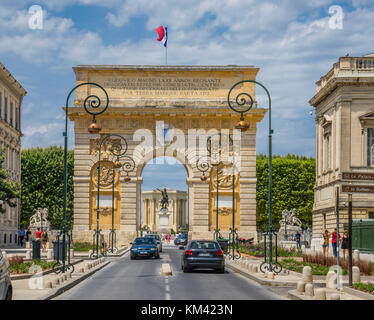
[118,149]
[245,100]
[90,104]
[127,166]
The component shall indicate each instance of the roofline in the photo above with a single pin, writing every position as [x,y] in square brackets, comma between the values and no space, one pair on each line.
[165,67]
[13,81]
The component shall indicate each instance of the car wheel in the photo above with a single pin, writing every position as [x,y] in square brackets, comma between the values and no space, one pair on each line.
[9,294]
[186,270]
[132,257]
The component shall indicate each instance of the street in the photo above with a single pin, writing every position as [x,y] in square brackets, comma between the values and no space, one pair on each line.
[126,279]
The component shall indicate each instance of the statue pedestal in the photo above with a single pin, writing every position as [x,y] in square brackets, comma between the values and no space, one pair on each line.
[291,231]
[164,222]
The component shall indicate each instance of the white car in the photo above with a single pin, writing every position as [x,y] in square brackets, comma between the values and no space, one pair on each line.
[6,289]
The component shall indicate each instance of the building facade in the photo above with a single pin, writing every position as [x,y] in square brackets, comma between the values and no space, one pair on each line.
[11,96]
[344,108]
[155,219]
[191,101]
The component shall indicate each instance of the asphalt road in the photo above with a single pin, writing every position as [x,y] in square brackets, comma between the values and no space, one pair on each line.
[126,279]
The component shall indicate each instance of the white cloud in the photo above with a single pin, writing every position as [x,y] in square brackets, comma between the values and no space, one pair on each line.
[289,40]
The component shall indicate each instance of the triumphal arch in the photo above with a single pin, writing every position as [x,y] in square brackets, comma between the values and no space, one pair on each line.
[164,111]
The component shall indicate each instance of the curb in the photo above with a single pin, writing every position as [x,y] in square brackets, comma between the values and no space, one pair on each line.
[273,283]
[358,293]
[58,291]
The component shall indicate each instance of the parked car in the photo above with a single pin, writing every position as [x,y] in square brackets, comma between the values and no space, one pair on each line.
[203,254]
[144,247]
[158,240]
[181,239]
[6,289]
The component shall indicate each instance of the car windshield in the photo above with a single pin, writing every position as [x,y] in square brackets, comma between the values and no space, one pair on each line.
[155,236]
[204,245]
[147,240]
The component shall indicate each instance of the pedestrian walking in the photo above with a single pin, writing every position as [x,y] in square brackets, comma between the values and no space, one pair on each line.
[335,243]
[44,238]
[21,236]
[298,238]
[325,242]
[38,234]
[345,243]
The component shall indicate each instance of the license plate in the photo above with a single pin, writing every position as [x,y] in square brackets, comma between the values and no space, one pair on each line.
[204,255]
[143,252]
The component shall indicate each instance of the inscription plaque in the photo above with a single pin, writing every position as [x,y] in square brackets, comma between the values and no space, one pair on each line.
[358,176]
[356,188]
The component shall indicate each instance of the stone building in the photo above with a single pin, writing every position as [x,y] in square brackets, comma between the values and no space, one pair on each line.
[344,107]
[11,96]
[157,221]
[191,101]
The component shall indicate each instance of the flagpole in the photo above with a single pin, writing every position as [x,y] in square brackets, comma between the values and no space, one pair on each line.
[166,48]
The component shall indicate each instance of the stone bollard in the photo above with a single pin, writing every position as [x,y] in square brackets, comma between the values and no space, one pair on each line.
[335,296]
[65,277]
[47,285]
[62,279]
[356,278]
[86,267]
[81,270]
[271,275]
[28,254]
[56,281]
[307,274]
[255,269]
[71,253]
[320,294]
[70,274]
[356,255]
[301,286]
[331,280]
[309,290]
[266,274]
[49,254]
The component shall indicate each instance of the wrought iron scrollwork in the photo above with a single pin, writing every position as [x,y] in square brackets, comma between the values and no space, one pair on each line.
[267,265]
[234,241]
[63,263]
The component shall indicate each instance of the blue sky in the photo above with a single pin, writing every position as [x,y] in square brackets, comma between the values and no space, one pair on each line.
[289,40]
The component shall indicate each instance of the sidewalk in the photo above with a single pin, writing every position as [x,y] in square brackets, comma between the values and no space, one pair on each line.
[248,266]
[51,285]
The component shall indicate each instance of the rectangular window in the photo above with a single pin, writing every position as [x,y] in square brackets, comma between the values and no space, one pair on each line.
[11,114]
[327,139]
[6,109]
[17,119]
[371,215]
[370,150]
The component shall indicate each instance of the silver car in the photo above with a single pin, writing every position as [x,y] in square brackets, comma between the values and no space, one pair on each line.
[6,289]
[158,240]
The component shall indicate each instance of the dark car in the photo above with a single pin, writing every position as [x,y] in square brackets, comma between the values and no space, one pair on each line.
[181,240]
[144,247]
[158,240]
[203,254]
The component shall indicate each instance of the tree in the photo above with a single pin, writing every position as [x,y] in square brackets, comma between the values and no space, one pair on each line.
[42,184]
[9,190]
[293,183]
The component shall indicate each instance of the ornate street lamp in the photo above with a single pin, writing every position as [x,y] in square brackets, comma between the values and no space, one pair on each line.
[128,165]
[118,149]
[245,101]
[93,102]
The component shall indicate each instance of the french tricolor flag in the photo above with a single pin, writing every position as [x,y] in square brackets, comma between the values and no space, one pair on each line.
[162,35]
